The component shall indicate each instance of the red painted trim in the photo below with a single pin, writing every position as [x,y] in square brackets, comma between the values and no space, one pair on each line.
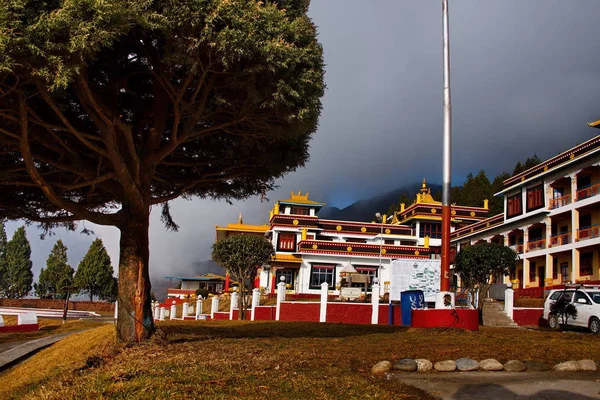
[308,312]
[19,328]
[446,318]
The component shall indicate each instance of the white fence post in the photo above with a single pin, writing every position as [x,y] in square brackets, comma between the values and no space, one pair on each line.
[198,308]
[255,301]
[324,294]
[156,311]
[163,311]
[173,311]
[116,309]
[509,302]
[233,304]
[184,311]
[280,298]
[214,307]
[375,303]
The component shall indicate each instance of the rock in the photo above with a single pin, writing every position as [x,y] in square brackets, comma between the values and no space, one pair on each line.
[567,366]
[381,367]
[423,365]
[536,366]
[467,364]
[405,365]
[587,365]
[491,365]
[445,366]
[514,366]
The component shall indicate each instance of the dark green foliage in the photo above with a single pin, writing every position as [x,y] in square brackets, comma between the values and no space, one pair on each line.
[563,309]
[477,265]
[530,162]
[18,277]
[202,292]
[241,255]
[57,276]
[3,265]
[95,272]
[404,198]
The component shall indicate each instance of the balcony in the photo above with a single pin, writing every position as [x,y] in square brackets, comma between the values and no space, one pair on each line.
[559,240]
[589,191]
[536,245]
[588,233]
[558,202]
[518,248]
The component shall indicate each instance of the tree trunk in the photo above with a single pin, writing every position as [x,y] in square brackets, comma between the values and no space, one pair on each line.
[91,297]
[135,321]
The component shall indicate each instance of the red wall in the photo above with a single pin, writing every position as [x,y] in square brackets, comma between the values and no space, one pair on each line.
[529,316]
[447,318]
[264,313]
[19,328]
[384,310]
[58,304]
[221,315]
[308,312]
[348,313]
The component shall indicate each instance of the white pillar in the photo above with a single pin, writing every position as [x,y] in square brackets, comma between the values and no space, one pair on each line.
[214,307]
[116,309]
[163,311]
[173,311]
[375,304]
[233,304]
[509,301]
[184,312]
[156,311]
[324,293]
[198,308]
[280,298]
[255,301]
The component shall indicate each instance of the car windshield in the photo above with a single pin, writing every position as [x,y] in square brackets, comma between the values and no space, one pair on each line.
[595,296]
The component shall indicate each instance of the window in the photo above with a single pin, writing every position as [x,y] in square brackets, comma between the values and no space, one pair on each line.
[299,210]
[288,274]
[535,198]
[564,272]
[513,205]
[555,269]
[580,295]
[320,274]
[353,240]
[434,231]
[585,221]
[532,272]
[585,263]
[371,271]
[287,242]
[389,241]
[555,295]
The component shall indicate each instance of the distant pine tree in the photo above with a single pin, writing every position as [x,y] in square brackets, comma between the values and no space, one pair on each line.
[56,276]
[95,272]
[18,266]
[3,266]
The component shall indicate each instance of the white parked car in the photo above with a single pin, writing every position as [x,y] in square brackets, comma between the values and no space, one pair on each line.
[585,299]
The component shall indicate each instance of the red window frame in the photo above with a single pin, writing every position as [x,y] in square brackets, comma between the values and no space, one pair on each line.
[286,242]
[586,261]
[514,205]
[535,197]
[299,210]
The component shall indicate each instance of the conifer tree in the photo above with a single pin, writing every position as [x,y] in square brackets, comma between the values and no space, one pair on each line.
[95,272]
[18,277]
[3,242]
[57,274]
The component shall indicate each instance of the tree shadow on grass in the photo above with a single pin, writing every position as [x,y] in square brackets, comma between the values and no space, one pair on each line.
[178,332]
[494,391]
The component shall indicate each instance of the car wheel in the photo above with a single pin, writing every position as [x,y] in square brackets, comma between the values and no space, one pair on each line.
[553,321]
[594,325]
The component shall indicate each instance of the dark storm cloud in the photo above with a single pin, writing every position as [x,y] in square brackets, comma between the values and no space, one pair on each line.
[525,79]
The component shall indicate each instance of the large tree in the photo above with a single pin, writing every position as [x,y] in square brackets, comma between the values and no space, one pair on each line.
[108,108]
[241,255]
[95,272]
[477,266]
[18,278]
[57,276]
[3,265]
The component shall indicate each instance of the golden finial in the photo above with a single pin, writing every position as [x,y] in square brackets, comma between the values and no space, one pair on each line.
[424,186]
[240,220]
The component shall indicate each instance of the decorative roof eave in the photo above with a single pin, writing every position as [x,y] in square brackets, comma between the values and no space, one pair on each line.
[365,245]
[576,153]
[359,254]
[287,258]
[478,227]
[243,228]
[356,223]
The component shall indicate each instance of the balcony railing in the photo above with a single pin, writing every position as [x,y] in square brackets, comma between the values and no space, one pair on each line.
[518,248]
[559,201]
[559,240]
[589,191]
[588,233]
[536,245]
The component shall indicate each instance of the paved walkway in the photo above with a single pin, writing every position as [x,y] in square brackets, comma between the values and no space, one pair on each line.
[14,351]
[506,385]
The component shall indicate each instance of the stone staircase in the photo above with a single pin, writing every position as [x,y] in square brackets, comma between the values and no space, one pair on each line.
[494,315]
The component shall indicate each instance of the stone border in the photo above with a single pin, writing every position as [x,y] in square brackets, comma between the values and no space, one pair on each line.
[468,364]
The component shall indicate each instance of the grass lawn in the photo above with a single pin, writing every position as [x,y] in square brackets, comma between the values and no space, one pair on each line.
[267,360]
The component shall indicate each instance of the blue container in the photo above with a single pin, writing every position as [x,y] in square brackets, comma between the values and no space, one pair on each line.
[411,300]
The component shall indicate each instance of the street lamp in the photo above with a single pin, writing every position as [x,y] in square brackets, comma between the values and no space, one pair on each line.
[380,218]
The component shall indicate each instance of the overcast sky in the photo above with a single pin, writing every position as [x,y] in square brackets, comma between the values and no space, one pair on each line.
[525,79]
